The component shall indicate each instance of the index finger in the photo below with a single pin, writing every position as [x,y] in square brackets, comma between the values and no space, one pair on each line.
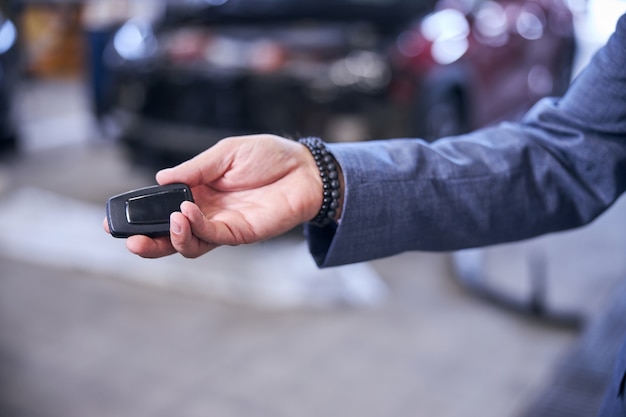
[203,168]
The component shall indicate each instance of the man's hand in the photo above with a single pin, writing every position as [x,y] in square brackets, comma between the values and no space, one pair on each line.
[246,189]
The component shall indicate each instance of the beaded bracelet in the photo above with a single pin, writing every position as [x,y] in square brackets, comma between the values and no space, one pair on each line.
[330,180]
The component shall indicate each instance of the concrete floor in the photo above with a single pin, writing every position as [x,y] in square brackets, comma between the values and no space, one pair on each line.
[88,329]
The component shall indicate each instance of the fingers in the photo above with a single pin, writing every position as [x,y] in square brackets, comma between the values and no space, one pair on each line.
[182,235]
[199,170]
[213,163]
[150,248]
[144,246]
[181,238]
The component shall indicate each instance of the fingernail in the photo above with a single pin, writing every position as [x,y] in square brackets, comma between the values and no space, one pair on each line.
[175,227]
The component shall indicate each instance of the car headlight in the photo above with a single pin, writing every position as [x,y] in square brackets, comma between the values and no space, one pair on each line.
[364,70]
[448,30]
[8,35]
[135,40]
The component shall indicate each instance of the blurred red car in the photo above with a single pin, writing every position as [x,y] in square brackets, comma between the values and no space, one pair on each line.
[340,69]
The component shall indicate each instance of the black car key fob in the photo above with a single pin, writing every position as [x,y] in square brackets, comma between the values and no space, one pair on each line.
[145,211]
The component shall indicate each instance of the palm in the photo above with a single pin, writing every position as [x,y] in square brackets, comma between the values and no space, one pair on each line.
[257,212]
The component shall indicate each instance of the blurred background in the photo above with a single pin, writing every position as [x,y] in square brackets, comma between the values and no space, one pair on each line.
[95,96]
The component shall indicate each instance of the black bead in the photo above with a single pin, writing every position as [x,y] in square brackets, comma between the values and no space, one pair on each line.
[330,183]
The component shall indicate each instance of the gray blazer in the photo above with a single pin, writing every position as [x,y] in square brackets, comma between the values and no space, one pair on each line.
[560,167]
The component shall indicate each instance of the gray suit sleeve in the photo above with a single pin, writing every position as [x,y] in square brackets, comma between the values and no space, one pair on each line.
[559,168]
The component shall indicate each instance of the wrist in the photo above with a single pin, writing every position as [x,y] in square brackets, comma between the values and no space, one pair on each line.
[332,182]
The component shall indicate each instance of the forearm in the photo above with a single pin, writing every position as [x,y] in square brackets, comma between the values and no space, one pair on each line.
[560,168]
[510,188]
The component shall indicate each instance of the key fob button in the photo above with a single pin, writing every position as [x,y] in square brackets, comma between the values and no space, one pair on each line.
[145,211]
[154,208]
